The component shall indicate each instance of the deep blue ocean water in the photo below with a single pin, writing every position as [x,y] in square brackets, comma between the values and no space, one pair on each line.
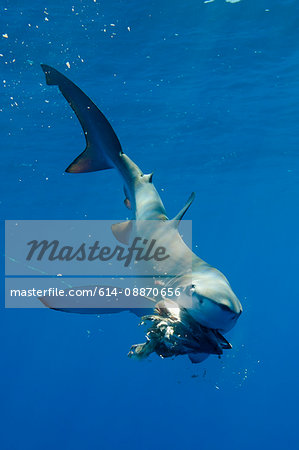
[205,94]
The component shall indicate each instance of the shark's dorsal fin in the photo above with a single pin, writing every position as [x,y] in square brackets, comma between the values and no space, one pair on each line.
[181,214]
[98,132]
[122,231]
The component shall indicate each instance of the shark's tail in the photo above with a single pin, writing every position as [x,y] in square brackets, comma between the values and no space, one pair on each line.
[101,140]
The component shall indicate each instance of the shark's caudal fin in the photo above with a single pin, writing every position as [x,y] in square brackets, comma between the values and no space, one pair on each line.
[101,139]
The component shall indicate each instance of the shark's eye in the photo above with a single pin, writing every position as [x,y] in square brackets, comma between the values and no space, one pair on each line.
[190,289]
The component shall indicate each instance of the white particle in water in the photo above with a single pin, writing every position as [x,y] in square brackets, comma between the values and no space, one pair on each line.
[5,35]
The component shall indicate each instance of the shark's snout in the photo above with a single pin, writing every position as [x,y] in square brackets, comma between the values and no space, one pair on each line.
[235,308]
[215,309]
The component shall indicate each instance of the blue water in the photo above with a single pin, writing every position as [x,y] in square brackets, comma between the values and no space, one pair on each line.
[206,96]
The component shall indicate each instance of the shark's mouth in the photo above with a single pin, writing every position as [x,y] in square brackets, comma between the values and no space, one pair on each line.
[174,332]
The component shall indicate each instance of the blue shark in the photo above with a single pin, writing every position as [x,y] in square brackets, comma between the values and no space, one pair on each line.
[194,322]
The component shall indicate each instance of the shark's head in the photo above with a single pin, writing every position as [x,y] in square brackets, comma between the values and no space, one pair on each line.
[215,308]
[211,301]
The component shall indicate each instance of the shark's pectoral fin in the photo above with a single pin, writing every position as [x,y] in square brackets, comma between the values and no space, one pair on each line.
[122,231]
[74,303]
[196,358]
[181,214]
[100,136]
